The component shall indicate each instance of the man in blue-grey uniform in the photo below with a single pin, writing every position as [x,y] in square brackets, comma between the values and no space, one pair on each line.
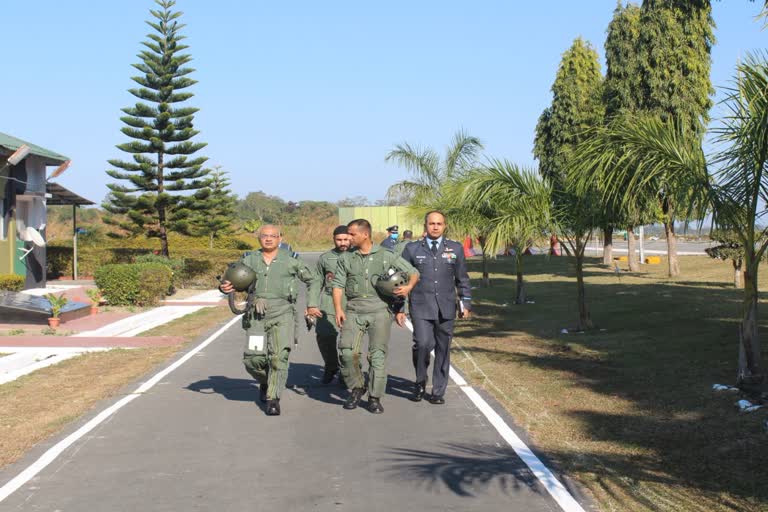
[433,303]
[391,241]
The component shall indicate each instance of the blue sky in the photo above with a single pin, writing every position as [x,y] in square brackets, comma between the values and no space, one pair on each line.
[303,99]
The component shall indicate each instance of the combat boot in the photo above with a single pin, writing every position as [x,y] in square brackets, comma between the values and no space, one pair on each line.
[328,375]
[419,390]
[354,398]
[263,393]
[273,407]
[374,405]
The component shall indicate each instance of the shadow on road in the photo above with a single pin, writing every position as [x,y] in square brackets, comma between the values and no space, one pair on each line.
[465,470]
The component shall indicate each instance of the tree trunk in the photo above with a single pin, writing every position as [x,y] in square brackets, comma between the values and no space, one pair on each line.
[750,373]
[520,291]
[486,282]
[674,265]
[738,278]
[585,322]
[632,258]
[161,210]
[608,246]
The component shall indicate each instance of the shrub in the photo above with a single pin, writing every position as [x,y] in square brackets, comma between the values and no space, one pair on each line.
[11,282]
[139,284]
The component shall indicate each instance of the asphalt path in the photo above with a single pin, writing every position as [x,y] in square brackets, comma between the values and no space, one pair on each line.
[199,440]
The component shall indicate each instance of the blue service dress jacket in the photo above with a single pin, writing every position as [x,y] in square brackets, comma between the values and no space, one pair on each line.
[441,277]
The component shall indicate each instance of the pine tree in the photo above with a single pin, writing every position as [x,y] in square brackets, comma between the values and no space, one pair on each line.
[166,183]
[217,214]
[577,107]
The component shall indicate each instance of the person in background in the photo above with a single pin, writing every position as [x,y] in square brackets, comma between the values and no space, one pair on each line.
[391,240]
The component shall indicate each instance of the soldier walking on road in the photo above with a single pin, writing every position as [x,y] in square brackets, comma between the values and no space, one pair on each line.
[271,323]
[432,303]
[368,311]
[326,325]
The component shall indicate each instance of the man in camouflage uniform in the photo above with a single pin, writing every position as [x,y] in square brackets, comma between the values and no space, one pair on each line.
[366,312]
[326,325]
[270,326]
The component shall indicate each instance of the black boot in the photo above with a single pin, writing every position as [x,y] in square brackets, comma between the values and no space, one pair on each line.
[263,392]
[418,391]
[354,398]
[328,375]
[437,400]
[273,407]
[374,405]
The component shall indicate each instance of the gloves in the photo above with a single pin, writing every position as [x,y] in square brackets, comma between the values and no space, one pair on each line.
[259,308]
[311,321]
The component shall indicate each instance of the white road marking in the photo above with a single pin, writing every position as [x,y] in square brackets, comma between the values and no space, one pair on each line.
[56,450]
[550,482]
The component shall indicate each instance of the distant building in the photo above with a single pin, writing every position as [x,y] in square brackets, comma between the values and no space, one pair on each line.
[381,217]
[24,196]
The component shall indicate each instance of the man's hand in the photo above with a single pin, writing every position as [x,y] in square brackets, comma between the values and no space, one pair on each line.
[403,291]
[315,312]
[226,287]
[400,319]
[340,318]
[466,314]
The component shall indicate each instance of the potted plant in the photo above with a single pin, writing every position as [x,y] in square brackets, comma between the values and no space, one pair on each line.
[57,302]
[95,295]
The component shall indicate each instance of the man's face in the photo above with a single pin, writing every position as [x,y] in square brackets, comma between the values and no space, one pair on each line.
[269,238]
[341,242]
[357,236]
[435,225]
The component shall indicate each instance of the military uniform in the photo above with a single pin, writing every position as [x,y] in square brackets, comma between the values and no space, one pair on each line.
[326,326]
[270,338]
[366,312]
[432,303]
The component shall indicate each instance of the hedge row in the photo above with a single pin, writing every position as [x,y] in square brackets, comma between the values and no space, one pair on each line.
[176,242]
[11,282]
[198,268]
[140,284]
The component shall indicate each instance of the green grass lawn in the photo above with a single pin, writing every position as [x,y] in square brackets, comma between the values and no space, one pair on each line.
[628,409]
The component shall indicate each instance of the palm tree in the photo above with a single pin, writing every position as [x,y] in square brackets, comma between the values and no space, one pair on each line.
[740,194]
[517,205]
[663,156]
[645,165]
[429,174]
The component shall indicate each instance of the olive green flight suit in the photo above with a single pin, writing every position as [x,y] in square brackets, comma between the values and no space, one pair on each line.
[326,326]
[269,339]
[366,312]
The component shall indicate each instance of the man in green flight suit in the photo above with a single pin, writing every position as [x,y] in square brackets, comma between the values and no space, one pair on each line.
[326,325]
[270,326]
[367,312]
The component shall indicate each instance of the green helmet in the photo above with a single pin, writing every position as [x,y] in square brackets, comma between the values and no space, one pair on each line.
[387,283]
[240,275]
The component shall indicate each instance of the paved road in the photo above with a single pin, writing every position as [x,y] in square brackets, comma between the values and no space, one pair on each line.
[200,441]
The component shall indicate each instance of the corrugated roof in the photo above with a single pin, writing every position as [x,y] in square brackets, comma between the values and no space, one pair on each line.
[62,196]
[11,144]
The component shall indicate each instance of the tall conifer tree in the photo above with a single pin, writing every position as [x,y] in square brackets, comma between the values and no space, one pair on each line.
[165,182]
[577,107]
[675,43]
[623,96]
[217,214]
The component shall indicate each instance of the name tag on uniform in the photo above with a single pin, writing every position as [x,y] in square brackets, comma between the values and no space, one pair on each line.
[256,343]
